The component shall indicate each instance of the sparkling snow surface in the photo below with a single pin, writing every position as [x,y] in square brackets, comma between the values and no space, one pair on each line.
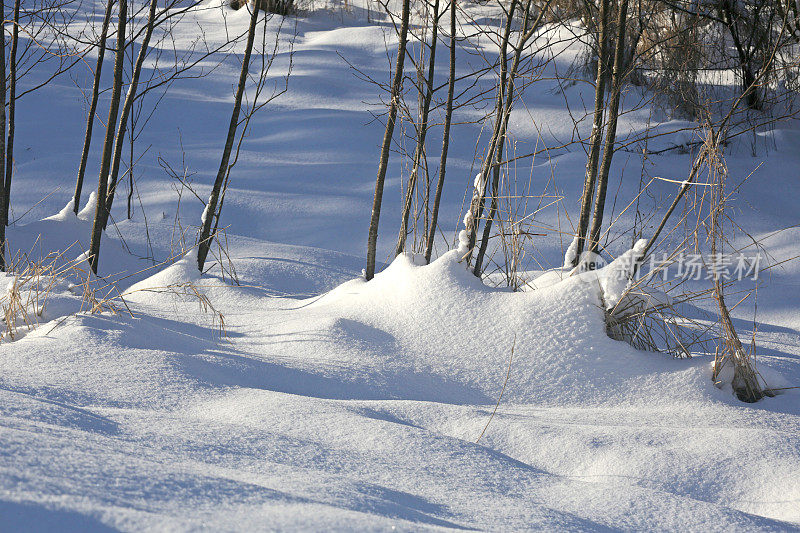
[336,404]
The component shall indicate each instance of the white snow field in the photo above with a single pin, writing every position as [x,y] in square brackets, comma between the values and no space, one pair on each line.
[331,403]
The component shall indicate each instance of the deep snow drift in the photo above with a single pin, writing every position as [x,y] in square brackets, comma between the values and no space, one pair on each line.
[361,407]
[330,403]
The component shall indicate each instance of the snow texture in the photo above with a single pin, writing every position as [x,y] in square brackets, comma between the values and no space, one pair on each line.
[332,403]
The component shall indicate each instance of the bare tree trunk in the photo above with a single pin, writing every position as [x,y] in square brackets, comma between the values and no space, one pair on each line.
[730,16]
[597,131]
[211,207]
[448,116]
[3,202]
[126,111]
[495,159]
[419,152]
[477,203]
[487,227]
[617,77]
[394,96]
[100,214]
[130,176]
[101,51]
[12,100]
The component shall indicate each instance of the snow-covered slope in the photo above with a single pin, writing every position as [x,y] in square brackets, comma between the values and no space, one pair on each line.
[420,400]
[362,407]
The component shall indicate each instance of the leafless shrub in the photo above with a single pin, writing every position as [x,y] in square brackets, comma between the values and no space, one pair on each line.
[651,320]
[746,382]
[34,283]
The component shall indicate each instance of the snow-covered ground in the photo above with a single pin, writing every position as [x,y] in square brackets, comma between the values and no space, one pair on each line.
[330,403]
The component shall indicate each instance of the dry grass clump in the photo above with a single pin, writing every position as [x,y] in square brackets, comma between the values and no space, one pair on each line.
[654,322]
[658,324]
[186,290]
[49,287]
[31,285]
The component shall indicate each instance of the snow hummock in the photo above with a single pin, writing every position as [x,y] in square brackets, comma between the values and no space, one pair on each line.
[65,214]
[333,403]
[360,408]
[181,271]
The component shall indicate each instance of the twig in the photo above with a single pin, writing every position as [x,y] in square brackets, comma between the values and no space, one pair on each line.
[502,391]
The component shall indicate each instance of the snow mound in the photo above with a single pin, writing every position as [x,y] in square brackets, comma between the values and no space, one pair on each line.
[182,271]
[442,321]
[360,409]
[65,214]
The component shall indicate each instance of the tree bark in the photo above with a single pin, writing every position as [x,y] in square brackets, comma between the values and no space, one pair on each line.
[210,212]
[394,96]
[3,202]
[126,111]
[105,165]
[130,176]
[595,141]
[12,100]
[617,77]
[448,116]
[87,141]
[419,152]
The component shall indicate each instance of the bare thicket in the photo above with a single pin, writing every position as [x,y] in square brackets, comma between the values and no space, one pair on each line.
[37,44]
[240,119]
[714,230]
[425,107]
[419,163]
[95,95]
[745,381]
[125,113]
[100,215]
[130,96]
[448,121]
[383,161]
[513,55]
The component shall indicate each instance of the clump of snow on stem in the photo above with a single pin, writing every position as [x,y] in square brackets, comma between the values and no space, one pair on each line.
[87,213]
[617,277]
[469,217]
[571,253]
[204,216]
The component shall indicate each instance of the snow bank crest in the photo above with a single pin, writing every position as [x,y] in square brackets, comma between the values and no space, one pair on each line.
[182,271]
[65,214]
